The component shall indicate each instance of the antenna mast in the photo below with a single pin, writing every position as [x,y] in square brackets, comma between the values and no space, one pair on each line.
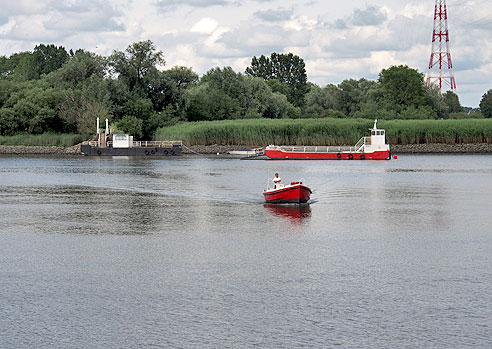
[440,66]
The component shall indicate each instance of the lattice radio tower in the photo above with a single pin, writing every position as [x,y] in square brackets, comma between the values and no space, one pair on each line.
[440,66]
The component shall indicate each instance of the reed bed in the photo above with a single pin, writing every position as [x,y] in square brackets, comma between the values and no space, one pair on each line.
[47,139]
[254,132]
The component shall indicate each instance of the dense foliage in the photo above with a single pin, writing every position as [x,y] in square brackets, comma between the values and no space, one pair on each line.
[285,73]
[50,90]
[486,104]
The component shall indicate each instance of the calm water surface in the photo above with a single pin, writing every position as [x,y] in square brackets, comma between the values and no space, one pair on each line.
[182,252]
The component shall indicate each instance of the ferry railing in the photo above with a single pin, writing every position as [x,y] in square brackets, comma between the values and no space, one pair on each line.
[158,144]
[315,149]
[361,143]
[142,144]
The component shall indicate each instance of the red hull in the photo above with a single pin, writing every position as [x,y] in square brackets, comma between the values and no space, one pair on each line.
[294,194]
[284,155]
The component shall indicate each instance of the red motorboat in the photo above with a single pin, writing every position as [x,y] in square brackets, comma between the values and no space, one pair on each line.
[368,148]
[293,193]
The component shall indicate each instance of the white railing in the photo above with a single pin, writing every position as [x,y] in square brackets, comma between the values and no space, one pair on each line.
[153,144]
[142,144]
[359,147]
[315,149]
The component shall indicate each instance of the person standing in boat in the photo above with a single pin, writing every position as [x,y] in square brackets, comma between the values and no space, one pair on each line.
[276,180]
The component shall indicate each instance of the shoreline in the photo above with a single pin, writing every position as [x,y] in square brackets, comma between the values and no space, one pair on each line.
[435,148]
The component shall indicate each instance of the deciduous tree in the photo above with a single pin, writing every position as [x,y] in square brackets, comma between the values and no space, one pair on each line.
[137,64]
[48,58]
[486,104]
[286,68]
[402,87]
[452,101]
[352,94]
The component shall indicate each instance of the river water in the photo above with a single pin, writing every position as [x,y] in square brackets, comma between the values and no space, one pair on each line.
[182,252]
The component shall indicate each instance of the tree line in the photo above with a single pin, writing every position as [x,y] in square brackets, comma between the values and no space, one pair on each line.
[50,90]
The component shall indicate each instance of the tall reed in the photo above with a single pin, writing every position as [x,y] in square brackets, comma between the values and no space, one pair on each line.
[326,131]
[47,139]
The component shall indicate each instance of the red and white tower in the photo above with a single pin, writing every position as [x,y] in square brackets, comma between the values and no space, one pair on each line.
[440,66]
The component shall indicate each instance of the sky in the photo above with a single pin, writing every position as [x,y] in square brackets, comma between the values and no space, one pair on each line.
[338,40]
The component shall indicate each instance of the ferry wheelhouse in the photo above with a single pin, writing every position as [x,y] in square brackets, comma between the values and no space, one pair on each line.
[367,148]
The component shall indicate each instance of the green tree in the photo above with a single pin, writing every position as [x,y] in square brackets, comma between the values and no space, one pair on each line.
[286,68]
[167,88]
[86,95]
[22,67]
[452,101]
[435,99]
[141,108]
[241,89]
[352,94]
[234,89]
[415,113]
[25,66]
[278,86]
[183,77]
[131,125]
[205,102]
[6,89]
[79,112]
[261,68]
[82,68]
[47,58]
[242,97]
[119,94]
[486,104]
[373,110]
[5,68]
[9,123]
[34,108]
[137,65]
[402,87]
[320,100]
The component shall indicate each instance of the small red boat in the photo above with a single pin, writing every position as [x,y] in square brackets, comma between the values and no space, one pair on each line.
[293,193]
[368,148]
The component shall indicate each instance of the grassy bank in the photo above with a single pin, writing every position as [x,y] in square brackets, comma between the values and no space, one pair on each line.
[48,139]
[327,131]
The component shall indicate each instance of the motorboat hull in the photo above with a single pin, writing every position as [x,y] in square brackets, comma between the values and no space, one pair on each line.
[289,194]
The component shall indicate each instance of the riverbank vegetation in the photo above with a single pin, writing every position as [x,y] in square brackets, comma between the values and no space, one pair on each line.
[326,131]
[48,139]
[53,91]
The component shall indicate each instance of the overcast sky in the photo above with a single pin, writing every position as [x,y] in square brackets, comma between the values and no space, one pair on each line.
[337,39]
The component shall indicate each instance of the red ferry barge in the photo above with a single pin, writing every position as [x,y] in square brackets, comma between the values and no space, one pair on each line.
[368,148]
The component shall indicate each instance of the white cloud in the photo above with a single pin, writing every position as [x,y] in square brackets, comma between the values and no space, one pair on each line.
[167,4]
[23,7]
[372,15]
[205,26]
[277,15]
[7,27]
